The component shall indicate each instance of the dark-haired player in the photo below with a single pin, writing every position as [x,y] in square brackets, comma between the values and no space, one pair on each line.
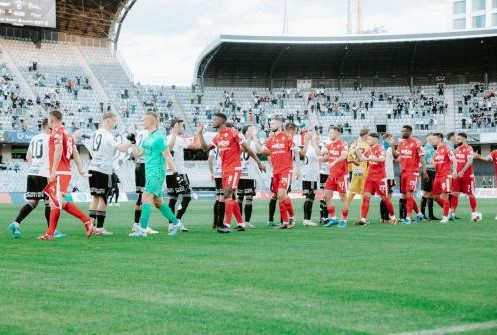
[229,142]
[310,174]
[445,171]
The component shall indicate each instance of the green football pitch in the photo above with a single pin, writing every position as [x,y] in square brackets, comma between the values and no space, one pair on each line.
[377,279]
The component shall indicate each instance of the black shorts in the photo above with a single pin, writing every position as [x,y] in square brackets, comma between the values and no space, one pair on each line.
[35,186]
[219,186]
[428,184]
[100,183]
[390,185]
[322,180]
[246,187]
[140,177]
[309,187]
[173,189]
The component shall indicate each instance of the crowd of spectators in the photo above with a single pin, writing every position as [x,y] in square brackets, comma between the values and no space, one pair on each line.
[478,108]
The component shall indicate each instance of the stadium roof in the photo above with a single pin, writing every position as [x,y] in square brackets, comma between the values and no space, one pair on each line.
[232,57]
[90,18]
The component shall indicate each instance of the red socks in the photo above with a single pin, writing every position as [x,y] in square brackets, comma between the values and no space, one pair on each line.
[472,203]
[345,214]
[289,207]
[446,207]
[388,205]
[409,205]
[283,211]
[237,212]
[454,201]
[365,207]
[229,206]
[54,220]
[72,209]
[331,212]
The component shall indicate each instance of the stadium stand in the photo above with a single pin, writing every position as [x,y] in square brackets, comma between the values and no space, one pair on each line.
[379,82]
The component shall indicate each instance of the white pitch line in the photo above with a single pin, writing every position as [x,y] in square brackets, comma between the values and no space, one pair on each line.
[454,329]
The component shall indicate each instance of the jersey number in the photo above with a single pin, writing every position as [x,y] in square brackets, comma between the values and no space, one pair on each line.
[97,141]
[38,149]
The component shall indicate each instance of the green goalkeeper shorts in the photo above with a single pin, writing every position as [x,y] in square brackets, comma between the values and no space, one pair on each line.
[154,184]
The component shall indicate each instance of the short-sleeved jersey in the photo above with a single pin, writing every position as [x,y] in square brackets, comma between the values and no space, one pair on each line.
[103,149]
[140,136]
[443,160]
[336,149]
[376,170]
[228,142]
[153,145]
[310,171]
[410,152]
[60,136]
[493,154]
[280,147]
[178,152]
[463,154]
[38,147]
[361,169]
[217,162]
[428,156]
[249,165]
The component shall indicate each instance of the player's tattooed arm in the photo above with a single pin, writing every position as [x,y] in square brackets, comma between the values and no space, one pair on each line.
[169,160]
[391,140]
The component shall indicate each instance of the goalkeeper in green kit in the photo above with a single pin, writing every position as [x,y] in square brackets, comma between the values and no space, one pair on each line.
[156,154]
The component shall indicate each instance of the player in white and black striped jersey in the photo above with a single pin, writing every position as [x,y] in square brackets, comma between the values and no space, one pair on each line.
[38,172]
[214,161]
[177,144]
[247,184]
[323,176]
[310,174]
[103,149]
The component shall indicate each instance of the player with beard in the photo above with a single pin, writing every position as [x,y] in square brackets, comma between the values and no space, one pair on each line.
[445,172]
[336,153]
[464,182]
[230,143]
[280,148]
[410,153]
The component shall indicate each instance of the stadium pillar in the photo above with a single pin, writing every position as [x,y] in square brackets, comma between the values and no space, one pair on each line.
[485,78]
[411,83]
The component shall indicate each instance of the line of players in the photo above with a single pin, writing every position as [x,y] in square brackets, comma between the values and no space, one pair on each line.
[233,164]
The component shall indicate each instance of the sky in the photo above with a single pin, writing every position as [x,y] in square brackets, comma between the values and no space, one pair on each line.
[161,40]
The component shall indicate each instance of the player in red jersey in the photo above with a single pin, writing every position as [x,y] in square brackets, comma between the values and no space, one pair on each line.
[409,151]
[62,148]
[376,179]
[280,148]
[229,143]
[445,171]
[336,153]
[492,157]
[465,179]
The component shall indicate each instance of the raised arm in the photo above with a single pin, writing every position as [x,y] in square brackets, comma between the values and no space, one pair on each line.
[200,132]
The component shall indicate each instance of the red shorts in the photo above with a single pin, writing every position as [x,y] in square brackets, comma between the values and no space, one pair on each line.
[442,184]
[57,189]
[281,181]
[464,185]
[376,186]
[337,184]
[230,179]
[408,182]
